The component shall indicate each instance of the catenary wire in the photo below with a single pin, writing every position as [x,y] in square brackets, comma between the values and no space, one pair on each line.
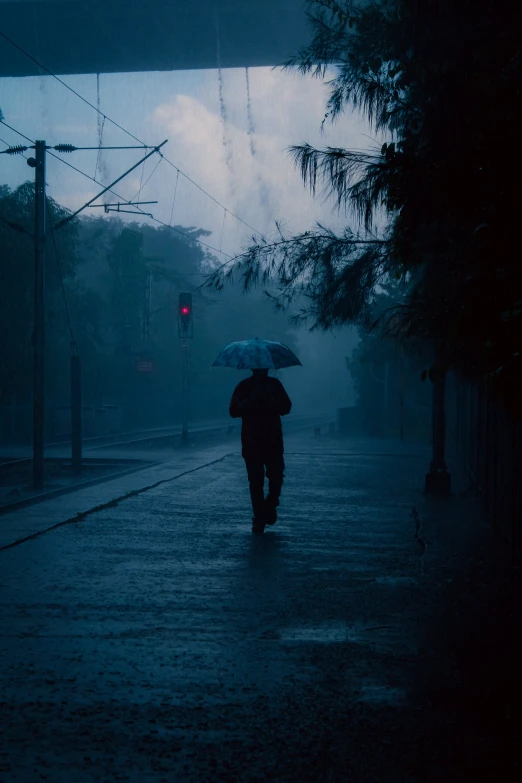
[117,125]
[143,184]
[16,131]
[156,220]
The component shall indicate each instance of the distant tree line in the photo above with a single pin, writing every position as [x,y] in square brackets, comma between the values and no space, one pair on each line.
[121,283]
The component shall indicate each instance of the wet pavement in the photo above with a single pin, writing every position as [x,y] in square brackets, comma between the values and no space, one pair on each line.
[157,640]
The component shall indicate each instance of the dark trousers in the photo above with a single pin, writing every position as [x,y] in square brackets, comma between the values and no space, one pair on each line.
[256,467]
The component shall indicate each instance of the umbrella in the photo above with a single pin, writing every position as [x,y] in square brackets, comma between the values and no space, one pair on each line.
[256,355]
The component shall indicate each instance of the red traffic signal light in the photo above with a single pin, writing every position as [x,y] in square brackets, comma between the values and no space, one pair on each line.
[185,314]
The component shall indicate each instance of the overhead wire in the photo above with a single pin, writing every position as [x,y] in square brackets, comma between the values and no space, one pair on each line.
[39,64]
[14,129]
[145,214]
[141,182]
[174,198]
[144,184]
[120,127]
[9,146]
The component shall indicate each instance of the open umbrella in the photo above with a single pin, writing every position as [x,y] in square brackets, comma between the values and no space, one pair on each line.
[256,355]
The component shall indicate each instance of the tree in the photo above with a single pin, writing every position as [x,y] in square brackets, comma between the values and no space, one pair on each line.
[16,291]
[117,260]
[436,78]
[386,375]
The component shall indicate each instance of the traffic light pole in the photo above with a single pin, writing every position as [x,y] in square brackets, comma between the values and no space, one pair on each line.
[185,367]
[39,319]
[185,332]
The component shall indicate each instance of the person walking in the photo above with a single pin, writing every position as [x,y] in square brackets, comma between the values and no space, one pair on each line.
[260,401]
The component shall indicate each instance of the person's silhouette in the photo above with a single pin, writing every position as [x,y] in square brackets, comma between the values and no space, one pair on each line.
[260,401]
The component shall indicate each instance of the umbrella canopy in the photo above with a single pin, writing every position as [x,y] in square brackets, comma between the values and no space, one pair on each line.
[256,355]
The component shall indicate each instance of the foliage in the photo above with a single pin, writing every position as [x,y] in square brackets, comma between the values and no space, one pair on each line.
[384,369]
[441,81]
[104,270]
[324,273]
[17,269]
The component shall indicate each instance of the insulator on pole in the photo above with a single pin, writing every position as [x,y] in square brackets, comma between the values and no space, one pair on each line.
[16,150]
[65,148]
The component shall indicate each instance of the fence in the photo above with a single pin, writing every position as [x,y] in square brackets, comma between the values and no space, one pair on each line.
[489,442]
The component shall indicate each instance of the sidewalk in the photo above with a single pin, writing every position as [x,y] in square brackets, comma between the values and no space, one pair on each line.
[157,640]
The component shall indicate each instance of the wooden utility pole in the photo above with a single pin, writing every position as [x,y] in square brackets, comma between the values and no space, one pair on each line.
[38,163]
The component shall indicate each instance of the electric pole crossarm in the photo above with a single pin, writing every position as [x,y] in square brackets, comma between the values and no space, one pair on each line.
[122,204]
[66,220]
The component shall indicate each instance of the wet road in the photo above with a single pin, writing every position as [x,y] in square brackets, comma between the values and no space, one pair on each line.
[160,641]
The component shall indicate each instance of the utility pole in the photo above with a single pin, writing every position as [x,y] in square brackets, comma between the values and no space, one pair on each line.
[38,163]
[184,427]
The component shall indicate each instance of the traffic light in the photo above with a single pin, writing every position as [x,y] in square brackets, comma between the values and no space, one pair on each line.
[185,315]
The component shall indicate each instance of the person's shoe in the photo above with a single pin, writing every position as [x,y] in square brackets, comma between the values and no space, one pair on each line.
[271,517]
[258,525]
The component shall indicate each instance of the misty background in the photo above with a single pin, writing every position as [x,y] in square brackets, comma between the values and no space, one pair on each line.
[228,132]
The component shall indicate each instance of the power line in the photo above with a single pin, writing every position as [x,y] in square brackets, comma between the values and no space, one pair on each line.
[108,187]
[9,147]
[174,199]
[72,148]
[156,220]
[192,239]
[143,184]
[39,64]
[117,125]
[255,230]
[14,129]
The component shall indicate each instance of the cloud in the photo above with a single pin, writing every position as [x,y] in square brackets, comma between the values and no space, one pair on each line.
[285,109]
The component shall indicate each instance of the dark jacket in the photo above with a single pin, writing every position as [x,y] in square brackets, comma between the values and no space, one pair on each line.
[260,401]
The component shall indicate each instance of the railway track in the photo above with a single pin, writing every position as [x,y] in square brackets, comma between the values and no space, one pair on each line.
[162,435]
[12,471]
